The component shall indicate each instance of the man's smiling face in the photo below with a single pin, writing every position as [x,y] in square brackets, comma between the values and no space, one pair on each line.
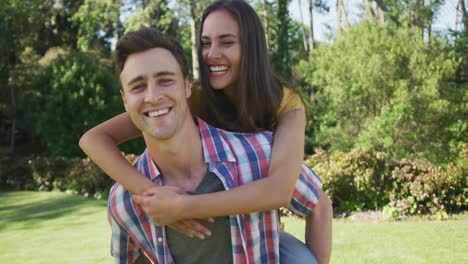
[155,93]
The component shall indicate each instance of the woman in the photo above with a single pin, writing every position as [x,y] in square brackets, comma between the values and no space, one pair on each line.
[235,76]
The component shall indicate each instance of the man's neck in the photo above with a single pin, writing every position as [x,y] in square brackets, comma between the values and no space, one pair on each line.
[180,159]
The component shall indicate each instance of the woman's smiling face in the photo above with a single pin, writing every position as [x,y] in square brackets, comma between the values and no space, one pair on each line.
[221,50]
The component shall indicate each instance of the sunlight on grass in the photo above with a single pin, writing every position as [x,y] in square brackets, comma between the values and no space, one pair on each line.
[40,227]
[394,242]
[44,227]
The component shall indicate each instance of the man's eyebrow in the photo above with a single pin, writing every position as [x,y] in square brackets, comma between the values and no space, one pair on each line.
[136,79]
[157,74]
[163,73]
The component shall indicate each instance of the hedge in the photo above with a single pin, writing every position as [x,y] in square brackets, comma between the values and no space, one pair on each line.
[367,180]
[355,181]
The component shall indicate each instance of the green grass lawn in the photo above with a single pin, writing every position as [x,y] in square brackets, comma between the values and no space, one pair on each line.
[41,227]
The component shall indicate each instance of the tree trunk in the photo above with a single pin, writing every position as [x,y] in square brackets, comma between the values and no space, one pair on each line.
[119,29]
[193,31]
[342,18]
[282,58]
[11,85]
[369,10]
[384,12]
[462,7]
[311,25]
[266,22]
[304,37]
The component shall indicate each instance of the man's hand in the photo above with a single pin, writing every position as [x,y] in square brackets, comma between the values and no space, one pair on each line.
[164,205]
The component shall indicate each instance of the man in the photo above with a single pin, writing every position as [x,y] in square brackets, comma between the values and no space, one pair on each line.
[198,158]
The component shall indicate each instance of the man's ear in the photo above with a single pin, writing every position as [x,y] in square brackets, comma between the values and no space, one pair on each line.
[122,94]
[188,87]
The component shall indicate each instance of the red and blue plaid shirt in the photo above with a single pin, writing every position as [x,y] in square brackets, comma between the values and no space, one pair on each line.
[237,159]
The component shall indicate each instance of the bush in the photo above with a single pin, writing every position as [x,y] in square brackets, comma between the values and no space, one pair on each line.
[15,173]
[49,173]
[356,180]
[81,176]
[363,179]
[420,187]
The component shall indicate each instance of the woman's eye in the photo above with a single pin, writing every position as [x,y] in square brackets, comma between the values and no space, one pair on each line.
[205,44]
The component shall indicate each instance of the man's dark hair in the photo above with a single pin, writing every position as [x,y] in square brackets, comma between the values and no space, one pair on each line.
[145,39]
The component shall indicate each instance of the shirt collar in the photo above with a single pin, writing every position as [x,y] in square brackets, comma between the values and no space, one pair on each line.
[215,147]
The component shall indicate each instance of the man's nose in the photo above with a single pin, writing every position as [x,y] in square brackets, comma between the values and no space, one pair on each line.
[152,94]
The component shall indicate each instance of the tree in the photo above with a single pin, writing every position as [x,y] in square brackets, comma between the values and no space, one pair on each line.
[155,14]
[376,91]
[20,27]
[342,18]
[280,56]
[98,23]
[76,91]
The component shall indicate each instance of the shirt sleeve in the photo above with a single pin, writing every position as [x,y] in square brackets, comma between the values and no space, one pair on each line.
[291,101]
[307,192]
[123,248]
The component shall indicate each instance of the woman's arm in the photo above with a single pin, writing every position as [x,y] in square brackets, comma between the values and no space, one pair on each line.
[272,192]
[268,193]
[100,144]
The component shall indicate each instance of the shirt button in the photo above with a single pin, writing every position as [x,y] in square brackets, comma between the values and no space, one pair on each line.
[159,239]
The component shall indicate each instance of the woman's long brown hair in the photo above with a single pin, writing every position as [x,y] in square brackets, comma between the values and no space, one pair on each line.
[258,92]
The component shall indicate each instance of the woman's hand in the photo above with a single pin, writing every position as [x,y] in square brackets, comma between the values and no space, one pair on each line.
[164,205]
[192,228]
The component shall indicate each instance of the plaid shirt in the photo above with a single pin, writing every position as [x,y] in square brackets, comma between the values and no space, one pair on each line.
[237,159]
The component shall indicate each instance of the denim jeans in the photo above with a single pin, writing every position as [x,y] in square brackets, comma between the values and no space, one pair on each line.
[293,251]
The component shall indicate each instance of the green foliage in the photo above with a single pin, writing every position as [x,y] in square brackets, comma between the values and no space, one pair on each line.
[97,21]
[388,90]
[420,187]
[356,180]
[156,14]
[76,175]
[363,179]
[74,93]
[15,173]
[285,39]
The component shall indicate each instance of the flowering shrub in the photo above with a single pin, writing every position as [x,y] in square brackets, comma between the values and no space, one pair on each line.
[363,179]
[354,181]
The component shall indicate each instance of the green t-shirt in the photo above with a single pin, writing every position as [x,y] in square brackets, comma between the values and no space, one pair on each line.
[213,249]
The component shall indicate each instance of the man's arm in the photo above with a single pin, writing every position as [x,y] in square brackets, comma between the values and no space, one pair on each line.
[318,230]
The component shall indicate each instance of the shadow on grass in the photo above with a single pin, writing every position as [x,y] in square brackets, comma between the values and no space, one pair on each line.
[30,208]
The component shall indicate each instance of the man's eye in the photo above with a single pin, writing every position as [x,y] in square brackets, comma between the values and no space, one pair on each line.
[166,82]
[138,87]
[228,43]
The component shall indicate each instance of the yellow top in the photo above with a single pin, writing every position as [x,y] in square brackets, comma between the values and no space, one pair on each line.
[291,101]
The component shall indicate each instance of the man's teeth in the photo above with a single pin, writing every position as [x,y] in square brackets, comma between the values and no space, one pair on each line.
[219,68]
[158,112]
